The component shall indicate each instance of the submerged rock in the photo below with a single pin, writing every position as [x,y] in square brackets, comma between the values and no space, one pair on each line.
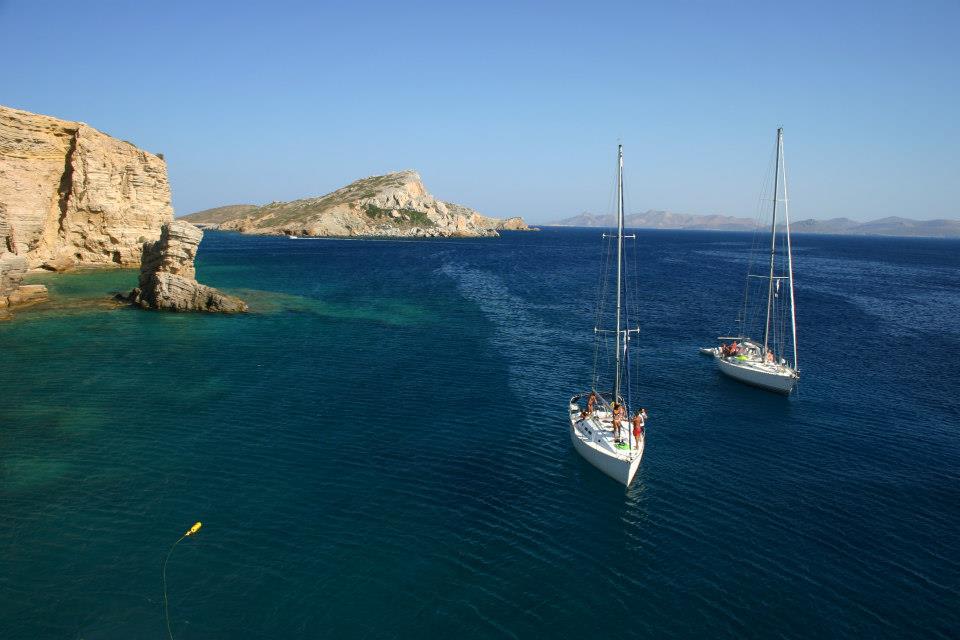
[168,277]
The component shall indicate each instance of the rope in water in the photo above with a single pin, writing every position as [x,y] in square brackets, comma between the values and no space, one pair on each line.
[163,572]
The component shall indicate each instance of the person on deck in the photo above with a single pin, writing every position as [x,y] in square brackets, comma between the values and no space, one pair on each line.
[734,348]
[591,401]
[639,420]
[770,356]
[619,413]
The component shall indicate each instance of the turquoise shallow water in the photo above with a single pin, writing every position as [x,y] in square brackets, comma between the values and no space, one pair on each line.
[380,449]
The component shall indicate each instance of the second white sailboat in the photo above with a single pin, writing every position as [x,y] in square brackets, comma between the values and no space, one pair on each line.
[764,363]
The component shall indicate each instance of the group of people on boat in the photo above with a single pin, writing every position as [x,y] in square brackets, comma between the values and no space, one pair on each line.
[729,350]
[637,422]
[733,349]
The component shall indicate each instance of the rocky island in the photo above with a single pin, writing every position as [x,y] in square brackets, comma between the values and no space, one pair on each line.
[391,205]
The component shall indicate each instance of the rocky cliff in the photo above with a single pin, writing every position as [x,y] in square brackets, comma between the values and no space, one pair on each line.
[395,204]
[73,196]
[168,276]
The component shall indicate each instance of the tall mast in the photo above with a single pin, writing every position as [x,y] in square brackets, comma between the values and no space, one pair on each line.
[616,377]
[786,218]
[773,240]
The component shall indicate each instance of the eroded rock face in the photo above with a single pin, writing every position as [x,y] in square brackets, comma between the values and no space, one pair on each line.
[168,276]
[392,205]
[12,290]
[73,196]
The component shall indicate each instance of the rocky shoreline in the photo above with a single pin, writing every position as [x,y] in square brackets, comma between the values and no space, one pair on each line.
[72,197]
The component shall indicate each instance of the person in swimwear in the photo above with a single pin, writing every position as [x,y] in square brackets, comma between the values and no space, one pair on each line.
[619,413]
[591,401]
[639,422]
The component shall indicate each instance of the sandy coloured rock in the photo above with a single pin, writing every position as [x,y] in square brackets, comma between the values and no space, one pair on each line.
[513,224]
[168,276]
[71,196]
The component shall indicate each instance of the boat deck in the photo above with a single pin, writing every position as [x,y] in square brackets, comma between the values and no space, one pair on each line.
[601,423]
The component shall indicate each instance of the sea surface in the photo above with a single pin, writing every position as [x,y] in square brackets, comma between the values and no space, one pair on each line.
[380,449]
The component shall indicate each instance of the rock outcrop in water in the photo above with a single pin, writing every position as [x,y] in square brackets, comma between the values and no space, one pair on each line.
[391,205]
[12,290]
[168,277]
[73,196]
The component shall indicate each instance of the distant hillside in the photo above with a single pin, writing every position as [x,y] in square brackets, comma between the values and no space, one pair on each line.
[892,226]
[832,225]
[895,226]
[391,205]
[660,220]
[219,214]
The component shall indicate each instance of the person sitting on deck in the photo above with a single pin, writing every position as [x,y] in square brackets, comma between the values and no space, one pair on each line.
[770,356]
[724,349]
[734,348]
[591,401]
[639,420]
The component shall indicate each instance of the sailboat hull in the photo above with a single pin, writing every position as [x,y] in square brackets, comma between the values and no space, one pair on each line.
[772,378]
[591,443]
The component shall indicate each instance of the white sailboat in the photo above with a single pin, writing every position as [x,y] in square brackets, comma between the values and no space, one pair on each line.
[763,363]
[601,430]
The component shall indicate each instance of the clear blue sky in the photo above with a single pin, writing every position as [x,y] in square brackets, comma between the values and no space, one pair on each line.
[513,108]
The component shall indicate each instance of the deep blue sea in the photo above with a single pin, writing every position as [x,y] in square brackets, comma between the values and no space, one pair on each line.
[380,449]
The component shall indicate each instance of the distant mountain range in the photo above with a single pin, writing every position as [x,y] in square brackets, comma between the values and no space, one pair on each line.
[892,226]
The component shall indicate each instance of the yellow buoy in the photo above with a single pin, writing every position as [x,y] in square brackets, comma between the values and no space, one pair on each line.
[166,602]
